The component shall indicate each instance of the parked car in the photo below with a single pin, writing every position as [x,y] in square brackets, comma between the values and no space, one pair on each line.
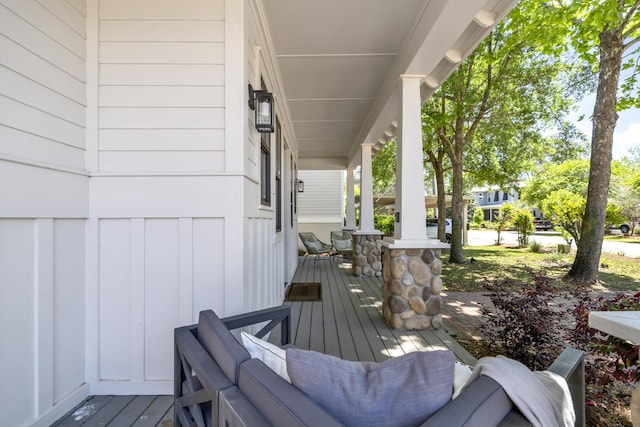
[542,224]
[432,228]
[625,228]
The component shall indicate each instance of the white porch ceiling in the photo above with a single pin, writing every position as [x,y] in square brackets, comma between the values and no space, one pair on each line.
[340,60]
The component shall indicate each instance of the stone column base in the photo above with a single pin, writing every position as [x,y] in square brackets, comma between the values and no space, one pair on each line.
[411,287]
[366,255]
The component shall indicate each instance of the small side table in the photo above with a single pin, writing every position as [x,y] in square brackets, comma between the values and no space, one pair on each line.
[624,325]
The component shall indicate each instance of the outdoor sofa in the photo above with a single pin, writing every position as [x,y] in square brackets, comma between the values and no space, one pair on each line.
[218,383]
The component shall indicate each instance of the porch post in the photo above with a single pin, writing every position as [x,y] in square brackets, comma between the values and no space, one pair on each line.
[351,201]
[366,190]
[411,283]
[410,210]
[366,241]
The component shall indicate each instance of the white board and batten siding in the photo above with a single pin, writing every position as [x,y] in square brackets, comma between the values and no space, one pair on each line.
[125,207]
[160,217]
[321,205]
[44,201]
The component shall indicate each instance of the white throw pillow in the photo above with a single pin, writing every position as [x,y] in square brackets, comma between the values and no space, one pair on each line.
[461,374]
[271,355]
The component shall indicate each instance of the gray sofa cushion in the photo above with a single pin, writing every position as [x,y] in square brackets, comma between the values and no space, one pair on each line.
[482,403]
[403,391]
[279,402]
[225,349]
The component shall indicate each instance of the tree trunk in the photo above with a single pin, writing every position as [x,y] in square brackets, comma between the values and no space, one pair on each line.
[585,266]
[438,171]
[456,254]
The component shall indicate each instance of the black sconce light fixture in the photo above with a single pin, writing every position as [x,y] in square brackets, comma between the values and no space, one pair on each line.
[300,186]
[261,102]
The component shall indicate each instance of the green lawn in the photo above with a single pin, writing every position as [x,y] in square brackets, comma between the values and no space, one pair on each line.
[617,273]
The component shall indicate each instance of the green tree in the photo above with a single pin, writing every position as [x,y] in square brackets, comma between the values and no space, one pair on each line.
[478,216]
[603,32]
[492,110]
[435,155]
[383,168]
[503,219]
[523,221]
[571,175]
[566,210]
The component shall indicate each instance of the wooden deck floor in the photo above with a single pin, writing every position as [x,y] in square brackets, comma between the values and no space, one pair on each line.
[347,323]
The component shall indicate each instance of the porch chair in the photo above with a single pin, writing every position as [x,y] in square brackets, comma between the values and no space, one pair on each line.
[314,246]
[341,241]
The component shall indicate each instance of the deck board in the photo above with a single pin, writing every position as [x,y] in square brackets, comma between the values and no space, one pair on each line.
[347,323]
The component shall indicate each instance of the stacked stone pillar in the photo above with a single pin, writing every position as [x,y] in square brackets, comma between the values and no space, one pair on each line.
[411,287]
[367,251]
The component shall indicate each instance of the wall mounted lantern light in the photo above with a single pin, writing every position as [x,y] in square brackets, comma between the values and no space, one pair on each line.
[261,102]
[300,186]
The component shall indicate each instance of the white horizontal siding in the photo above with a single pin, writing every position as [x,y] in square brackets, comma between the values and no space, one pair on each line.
[162,118]
[162,31]
[161,76]
[322,197]
[31,120]
[162,96]
[40,43]
[162,139]
[29,92]
[42,92]
[71,13]
[161,53]
[164,10]
[18,144]
[30,65]
[68,30]
[161,161]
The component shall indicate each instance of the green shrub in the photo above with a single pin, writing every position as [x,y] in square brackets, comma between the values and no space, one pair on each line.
[535,246]
[384,223]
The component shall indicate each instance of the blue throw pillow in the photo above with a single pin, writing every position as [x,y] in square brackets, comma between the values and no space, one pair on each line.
[403,391]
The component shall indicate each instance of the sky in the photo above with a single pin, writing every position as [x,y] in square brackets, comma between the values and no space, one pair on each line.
[626,134]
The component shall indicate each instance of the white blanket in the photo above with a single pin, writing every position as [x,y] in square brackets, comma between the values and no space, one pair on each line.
[543,397]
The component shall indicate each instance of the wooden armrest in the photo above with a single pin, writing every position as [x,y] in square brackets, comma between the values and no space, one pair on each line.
[570,365]
[274,315]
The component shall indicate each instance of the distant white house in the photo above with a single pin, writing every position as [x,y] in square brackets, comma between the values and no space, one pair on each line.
[490,199]
[136,190]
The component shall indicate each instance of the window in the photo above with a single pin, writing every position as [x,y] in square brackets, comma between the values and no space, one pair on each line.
[278,177]
[505,196]
[265,169]
[294,190]
[496,196]
[265,165]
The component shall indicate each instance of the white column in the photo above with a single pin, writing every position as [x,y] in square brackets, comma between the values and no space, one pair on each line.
[366,190]
[410,208]
[351,202]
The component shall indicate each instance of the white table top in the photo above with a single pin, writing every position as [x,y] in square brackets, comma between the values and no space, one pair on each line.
[621,324]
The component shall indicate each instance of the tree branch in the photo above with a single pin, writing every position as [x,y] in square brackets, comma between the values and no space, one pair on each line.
[632,10]
[631,42]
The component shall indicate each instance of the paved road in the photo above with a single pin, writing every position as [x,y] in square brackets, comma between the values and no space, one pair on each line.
[548,238]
